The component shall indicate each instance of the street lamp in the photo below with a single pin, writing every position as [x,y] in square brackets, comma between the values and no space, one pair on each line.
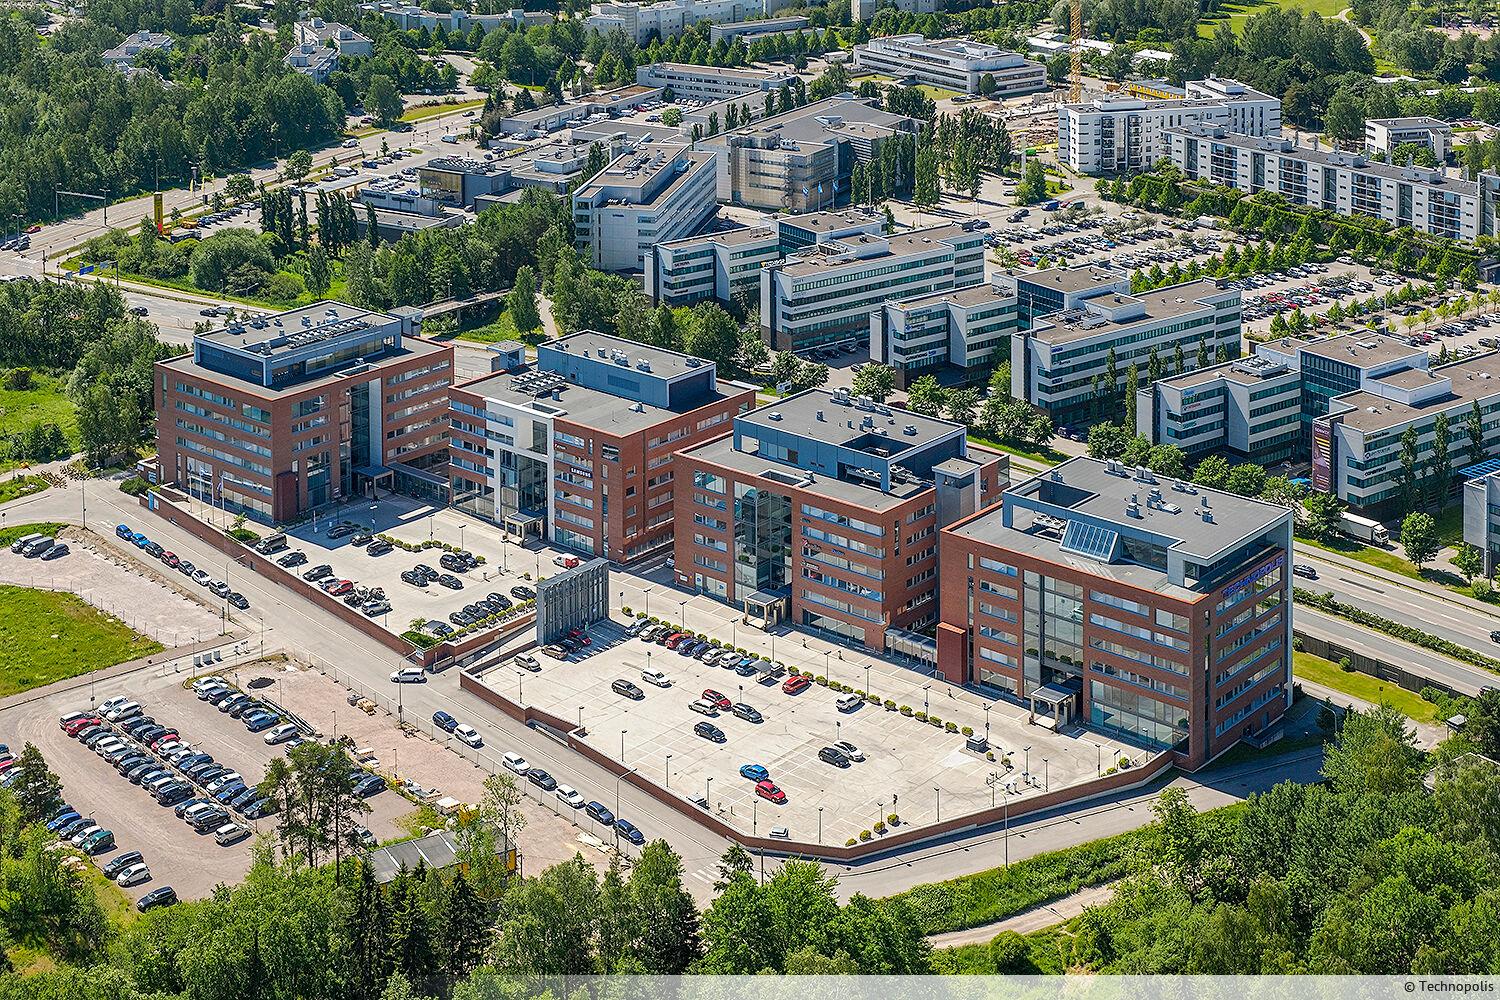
[939,792]
[669,770]
[820,824]
[1027,772]
[1098,760]
[708,790]
[580,716]
[755,817]
[867,678]
[1046,782]
[925,688]
[622,746]
[986,723]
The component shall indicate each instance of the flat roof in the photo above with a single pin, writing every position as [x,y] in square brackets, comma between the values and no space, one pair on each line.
[726,237]
[1408,378]
[1333,158]
[748,73]
[664,364]
[1085,486]
[827,222]
[1472,380]
[721,452]
[799,415]
[815,260]
[1163,303]
[1416,121]
[638,168]
[582,405]
[970,295]
[1073,278]
[1363,349]
[411,347]
[325,319]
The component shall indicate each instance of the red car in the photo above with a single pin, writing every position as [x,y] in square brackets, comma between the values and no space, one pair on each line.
[75,726]
[715,698]
[35,227]
[170,558]
[578,635]
[794,684]
[674,639]
[166,737]
[339,587]
[768,790]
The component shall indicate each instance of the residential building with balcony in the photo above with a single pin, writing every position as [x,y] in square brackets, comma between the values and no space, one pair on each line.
[822,510]
[1075,321]
[313,60]
[951,63]
[1153,611]
[577,447]
[348,42]
[657,193]
[1430,201]
[285,414]
[1383,135]
[752,31]
[826,293]
[1116,134]
[666,19]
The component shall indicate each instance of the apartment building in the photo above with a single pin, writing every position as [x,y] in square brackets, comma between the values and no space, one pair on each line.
[456,21]
[331,34]
[656,193]
[822,510]
[825,293]
[1261,408]
[726,264]
[752,31]
[951,63]
[1430,201]
[577,448]
[642,21]
[710,83]
[123,55]
[802,160]
[1383,135]
[963,331]
[863,10]
[1155,612]
[1356,446]
[313,60]
[280,415]
[1074,320]
[1121,134]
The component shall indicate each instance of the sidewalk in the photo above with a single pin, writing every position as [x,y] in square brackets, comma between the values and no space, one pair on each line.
[1028,921]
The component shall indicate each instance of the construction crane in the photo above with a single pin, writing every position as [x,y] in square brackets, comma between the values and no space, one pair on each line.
[1075,92]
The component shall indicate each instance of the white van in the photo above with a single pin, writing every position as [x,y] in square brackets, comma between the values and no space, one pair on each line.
[703,707]
[515,762]
[20,544]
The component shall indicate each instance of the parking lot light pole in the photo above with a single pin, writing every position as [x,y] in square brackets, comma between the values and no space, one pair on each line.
[1098,760]
[820,824]
[925,688]
[986,723]
[755,817]
[622,746]
[1027,772]
[580,716]
[708,790]
[939,792]
[669,770]
[1046,782]
[867,678]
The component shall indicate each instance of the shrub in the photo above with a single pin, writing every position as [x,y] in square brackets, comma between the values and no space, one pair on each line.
[893,820]
[626,609]
[989,755]
[850,842]
[967,730]
[951,727]
[1124,763]
[243,535]
[865,835]
[879,826]
[1346,665]
[933,720]
[134,486]
[906,710]
[1110,770]
[890,706]
[920,716]
[820,680]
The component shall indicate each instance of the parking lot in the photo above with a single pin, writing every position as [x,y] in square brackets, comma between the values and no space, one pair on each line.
[911,768]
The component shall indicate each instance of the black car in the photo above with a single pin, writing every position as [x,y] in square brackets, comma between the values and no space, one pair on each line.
[829,755]
[440,630]
[361,538]
[629,690]
[629,831]
[452,561]
[522,593]
[426,570]
[292,559]
[541,779]
[460,618]
[414,578]
[746,712]
[340,530]
[1495,636]
[318,572]
[238,600]
[379,547]
[120,862]
[450,581]
[501,600]
[165,896]
[709,731]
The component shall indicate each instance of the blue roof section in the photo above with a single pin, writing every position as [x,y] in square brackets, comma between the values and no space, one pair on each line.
[1480,469]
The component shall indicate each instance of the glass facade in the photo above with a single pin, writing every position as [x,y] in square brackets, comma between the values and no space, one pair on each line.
[762,541]
[1053,630]
[1136,714]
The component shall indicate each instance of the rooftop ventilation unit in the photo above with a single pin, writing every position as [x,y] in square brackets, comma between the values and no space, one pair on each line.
[774,415]
[909,430]
[643,365]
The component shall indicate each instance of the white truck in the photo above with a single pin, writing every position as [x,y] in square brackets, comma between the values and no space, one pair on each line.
[1364,529]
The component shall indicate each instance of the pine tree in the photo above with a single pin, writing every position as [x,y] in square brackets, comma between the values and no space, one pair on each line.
[464,933]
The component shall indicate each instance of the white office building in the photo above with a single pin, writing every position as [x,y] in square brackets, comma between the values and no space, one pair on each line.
[408,17]
[753,30]
[951,63]
[967,329]
[1383,135]
[313,60]
[1431,201]
[654,194]
[349,43]
[825,294]
[1123,134]
[863,10]
[640,21]
[710,83]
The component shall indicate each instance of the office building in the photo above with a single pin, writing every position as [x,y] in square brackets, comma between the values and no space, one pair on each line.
[1157,613]
[822,510]
[825,293]
[802,160]
[726,264]
[863,10]
[961,333]
[313,60]
[1356,446]
[455,22]
[468,182]
[1481,500]
[330,34]
[551,118]
[655,194]
[1383,135]
[577,448]
[284,414]
[711,83]
[951,63]
[643,21]
[1248,408]
[1074,320]
[1121,134]
[123,55]
[1430,201]
[752,31]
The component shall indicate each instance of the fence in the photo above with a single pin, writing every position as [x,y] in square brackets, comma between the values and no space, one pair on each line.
[1372,665]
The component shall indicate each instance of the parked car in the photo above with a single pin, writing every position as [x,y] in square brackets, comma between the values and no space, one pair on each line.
[528,662]
[444,721]
[627,689]
[164,896]
[768,790]
[541,779]
[849,750]
[469,735]
[754,772]
[597,812]
[829,755]
[740,710]
[120,862]
[715,698]
[792,685]
[522,593]
[568,795]
[709,731]
[133,874]
[514,762]
[281,733]
[409,675]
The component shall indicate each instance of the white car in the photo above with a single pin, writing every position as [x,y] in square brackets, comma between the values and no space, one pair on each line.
[515,762]
[134,875]
[120,713]
[469,735]
[110,704]
[653,676]
[529,662]
[281,733]
[201,578]
[350,143]
[849,750]
[409,675]
[569,796]
[635,627]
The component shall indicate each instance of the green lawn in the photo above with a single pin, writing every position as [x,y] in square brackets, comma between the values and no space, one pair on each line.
[46,402]
[1240,10]
[14,531]
[51,636]
[1044,455]
[1362,686]
[1393,563]
[937,93]
[21,486]
[502,328]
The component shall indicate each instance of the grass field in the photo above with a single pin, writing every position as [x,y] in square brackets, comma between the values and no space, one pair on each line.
[1240,10]
[11,532]
[46,402]
[1362,686]
[503,328]
[50,636]
[21,486]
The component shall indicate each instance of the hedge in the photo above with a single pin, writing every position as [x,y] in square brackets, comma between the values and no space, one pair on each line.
[1325,602]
